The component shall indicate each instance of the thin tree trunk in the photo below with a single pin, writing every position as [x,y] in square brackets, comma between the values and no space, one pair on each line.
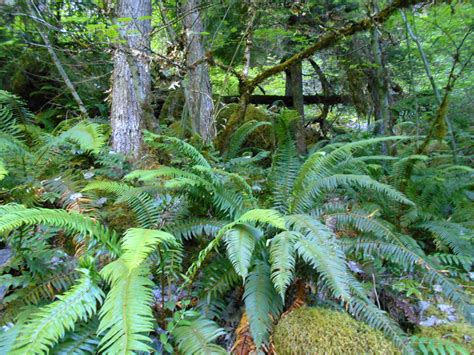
[426,66]
[380,89]
[252,12]
[296,87]
[198,86]
[57,63]
[131,78]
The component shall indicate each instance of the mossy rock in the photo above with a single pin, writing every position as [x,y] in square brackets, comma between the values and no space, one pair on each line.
[311,330]
[459,332]
[228,122]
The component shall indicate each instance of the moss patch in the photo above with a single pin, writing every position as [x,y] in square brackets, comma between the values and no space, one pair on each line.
[228,121]
[310,330]
[459,333]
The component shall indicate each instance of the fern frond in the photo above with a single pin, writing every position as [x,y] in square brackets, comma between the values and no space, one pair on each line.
[35,294]
[265,216]
[437,346]
[109,187]
[319,248]
[45,327]
[196,228]
[13,111]
[240,135]
[261,302]
[13,216]
[82,341]
[162,171]
[89,136]
[178,146]
[366,311]
[126,315]
[282,260]
[285,165]
[316,188]
[219,276]
[458,238]
[240,242]
[321,164]
[408,258]
[195,336]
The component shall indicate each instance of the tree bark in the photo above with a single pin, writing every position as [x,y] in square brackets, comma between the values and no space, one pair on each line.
[380,93]
[131,78]
[198,89]
[294,87]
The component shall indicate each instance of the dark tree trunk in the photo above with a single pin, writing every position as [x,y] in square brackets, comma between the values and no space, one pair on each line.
[131,78]
[198,86]
[294,87]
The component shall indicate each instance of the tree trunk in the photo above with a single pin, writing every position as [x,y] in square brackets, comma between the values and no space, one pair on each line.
[198,86]
[380,91]
[131,78]
[426,66]
[294,87]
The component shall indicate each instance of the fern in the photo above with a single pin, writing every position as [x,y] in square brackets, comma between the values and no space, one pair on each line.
[194,335]
[434,346]
[261,302]
[82,341]
[177,146]
[285,165]
[45,327]
[408,258]
[13,111]
[240,241]
[282,260]
[126,318]
[14,216]
[319,248]
[458,238]
[316,188]
[89,136]
[240,135]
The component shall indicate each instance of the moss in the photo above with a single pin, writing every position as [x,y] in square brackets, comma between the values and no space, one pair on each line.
[309,330]
[228,121]
[172,108]
[459,332]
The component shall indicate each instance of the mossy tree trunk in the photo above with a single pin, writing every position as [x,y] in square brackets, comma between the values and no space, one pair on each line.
[131,77]
[198,89]
[294,88]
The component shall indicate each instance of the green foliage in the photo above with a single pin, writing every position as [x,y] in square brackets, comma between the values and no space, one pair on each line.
[450,338]
[194,334]
[45,327]
[328,331]
[126,317]
[261,300]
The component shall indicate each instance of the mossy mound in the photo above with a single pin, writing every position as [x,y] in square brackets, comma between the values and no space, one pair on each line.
[228,122]
[310,330]
[459,332]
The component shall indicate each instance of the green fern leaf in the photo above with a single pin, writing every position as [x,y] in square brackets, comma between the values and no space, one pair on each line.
[319,248]
[126,317]
[240,241]
[49,324]
[282,260]
[261,301]
[195,336]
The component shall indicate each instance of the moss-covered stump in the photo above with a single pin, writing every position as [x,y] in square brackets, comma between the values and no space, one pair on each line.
[459,332]
[227,121]
[310,330]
